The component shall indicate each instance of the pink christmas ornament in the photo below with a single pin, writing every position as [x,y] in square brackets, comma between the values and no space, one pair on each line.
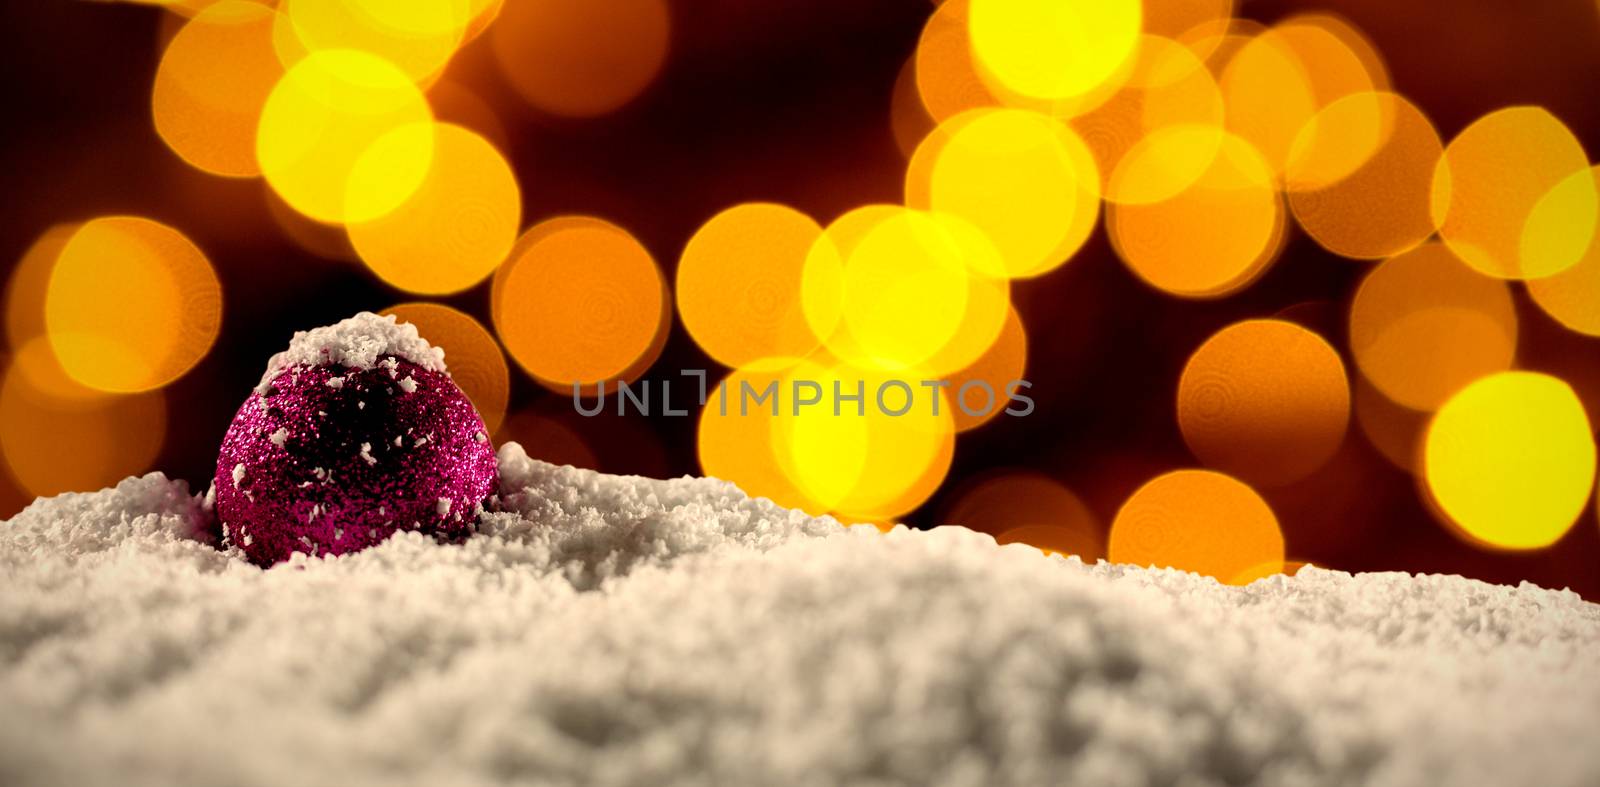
[355,431]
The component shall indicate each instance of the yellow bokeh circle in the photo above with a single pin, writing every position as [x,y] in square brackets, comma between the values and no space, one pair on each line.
[131,305]
[1023,178]
[913,290]
[1053,49]
[418,37]
[324,116]
[1572,296]
[457,226]
[1510,459]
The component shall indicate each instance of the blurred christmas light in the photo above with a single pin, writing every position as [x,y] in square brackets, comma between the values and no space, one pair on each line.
[917,290]
[582,302]
[1369,208]
[946,77]
[1423,325]
[737,445]
[1510,459]
[909,120]
[1174,18]
[1169,86]
[456,227]
[1572,296]
[29,283]
[1212,238]
[1495,197]
[323,120]
[1031,508]
[579,58]
[473,356]
[978,392]
[1276,82]
[1024,179]
[1201,521]
[212,83]
[59,436]
[1266,401]
[132,305]
[1053,49]
[739,283]
[872,459]
[418,37]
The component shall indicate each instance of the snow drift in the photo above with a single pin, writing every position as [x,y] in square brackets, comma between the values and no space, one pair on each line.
[609,630]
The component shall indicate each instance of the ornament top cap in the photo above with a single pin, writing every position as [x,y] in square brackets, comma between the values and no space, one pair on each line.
[357,342]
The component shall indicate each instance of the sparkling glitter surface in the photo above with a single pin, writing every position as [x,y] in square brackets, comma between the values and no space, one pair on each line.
[331,460]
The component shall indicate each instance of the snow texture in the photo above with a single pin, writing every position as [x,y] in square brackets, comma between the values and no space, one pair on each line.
[610,630]
[358,342]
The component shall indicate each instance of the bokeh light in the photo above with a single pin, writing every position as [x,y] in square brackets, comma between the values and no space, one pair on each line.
[324,116]
[30,282]
[59,436]
[1053,49]
[1423,325]
[1372,208]
[1200,521]
[947,79]
[132,304]
[1214,236]
[979,392]
[1278,80]
[736,445]
[1174,18]
[455,228]
[581,302]
[1031,508]
[1168,86]
[1023,178]
[739,283]
[580,58]
[1572,296]
[212,84]
[1266,401]
[1510,460]
[1495,197]
[905,289]
[470,352]
[419,37]
[879,457]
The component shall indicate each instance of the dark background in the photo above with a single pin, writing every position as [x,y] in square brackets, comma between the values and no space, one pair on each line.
[788,101]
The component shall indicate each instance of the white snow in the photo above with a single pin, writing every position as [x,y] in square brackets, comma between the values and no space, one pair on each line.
[359,342]
[610,630]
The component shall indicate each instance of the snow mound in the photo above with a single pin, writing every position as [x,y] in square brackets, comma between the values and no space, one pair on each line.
[358,342]
[611,630]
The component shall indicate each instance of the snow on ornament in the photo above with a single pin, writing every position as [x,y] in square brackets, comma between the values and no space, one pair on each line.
[356,431]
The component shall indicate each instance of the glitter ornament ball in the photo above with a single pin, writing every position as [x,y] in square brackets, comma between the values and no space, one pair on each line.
[355,432]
